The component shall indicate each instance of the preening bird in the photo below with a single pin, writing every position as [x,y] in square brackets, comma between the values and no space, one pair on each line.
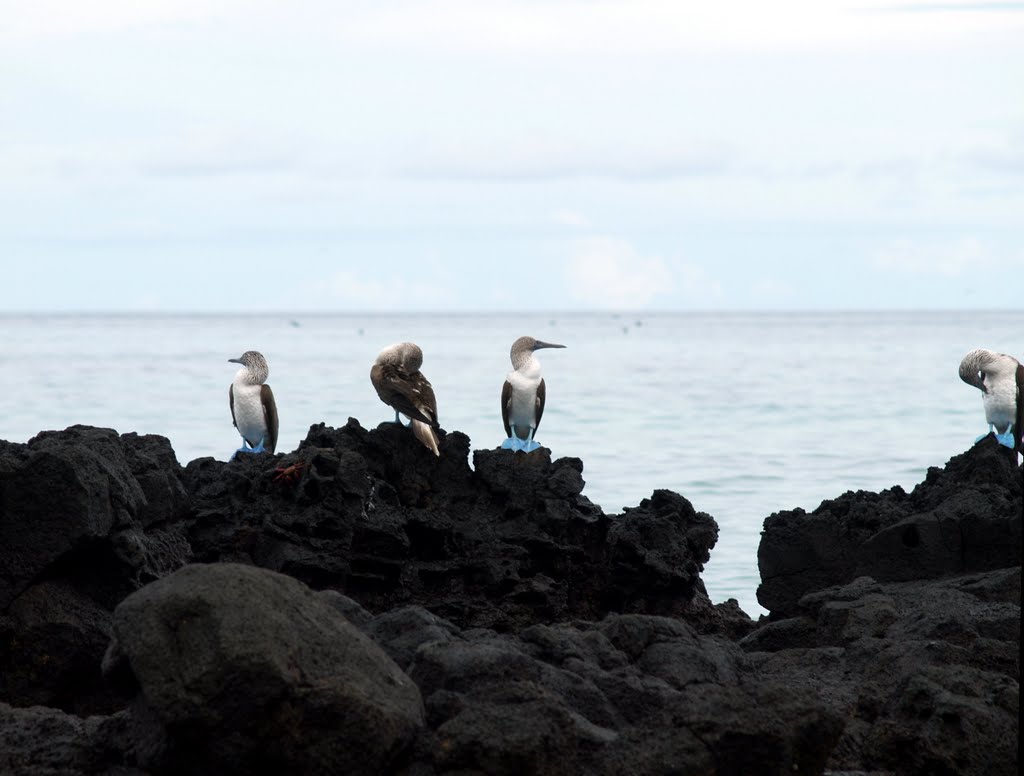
[253,409]
[400,384]
[523,395]
[1001,381]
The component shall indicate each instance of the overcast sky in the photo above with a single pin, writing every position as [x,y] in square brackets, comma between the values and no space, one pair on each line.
[230,155]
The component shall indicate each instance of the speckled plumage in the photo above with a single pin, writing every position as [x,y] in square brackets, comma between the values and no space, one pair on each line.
[253,408]
[400,384]
[1000,378]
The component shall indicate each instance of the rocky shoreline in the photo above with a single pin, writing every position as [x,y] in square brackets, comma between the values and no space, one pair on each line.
[360,606]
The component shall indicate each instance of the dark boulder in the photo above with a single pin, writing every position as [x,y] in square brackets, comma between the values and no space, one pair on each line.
[631,694]
[86,517]
[902,613]
[927,672]
[41,741]
[965,517]
[241,670]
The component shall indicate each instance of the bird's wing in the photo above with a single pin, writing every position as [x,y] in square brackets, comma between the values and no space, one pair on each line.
[1019,425]
[410,394]
[541,396]
[270,413]
[506,406]
[422,397]
[426,435]
[231,403]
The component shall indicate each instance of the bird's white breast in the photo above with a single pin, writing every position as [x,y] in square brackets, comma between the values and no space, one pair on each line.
[524,383]
[249,415]
[1000,400]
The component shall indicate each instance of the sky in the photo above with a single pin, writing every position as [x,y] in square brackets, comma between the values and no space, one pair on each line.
[230,156]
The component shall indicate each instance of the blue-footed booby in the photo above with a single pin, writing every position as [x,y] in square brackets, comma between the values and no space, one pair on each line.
[523,395]
[253,409]
[400,384]
[1001,380]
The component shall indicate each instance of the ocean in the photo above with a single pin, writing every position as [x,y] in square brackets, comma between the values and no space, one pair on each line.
[744,414]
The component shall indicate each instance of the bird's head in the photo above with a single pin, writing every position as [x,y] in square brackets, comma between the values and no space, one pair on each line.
[524,347]
[254,361]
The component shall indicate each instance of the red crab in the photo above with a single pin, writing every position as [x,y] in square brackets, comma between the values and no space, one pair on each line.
[289,475]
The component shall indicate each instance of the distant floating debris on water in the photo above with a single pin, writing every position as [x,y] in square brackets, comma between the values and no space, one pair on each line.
[295,323]
[360,332]
[625,330]
[638,324]
[552,322]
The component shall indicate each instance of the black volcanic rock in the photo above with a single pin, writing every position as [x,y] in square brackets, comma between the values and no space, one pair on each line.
[41,741]
[631,694]
[507,544]
[965,517]
[542,635]
[86,517]
[242,670]
[927,672]
[902,613]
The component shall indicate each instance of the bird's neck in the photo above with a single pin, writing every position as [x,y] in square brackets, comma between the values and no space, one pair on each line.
[526,362]
[246,376]
[527,365]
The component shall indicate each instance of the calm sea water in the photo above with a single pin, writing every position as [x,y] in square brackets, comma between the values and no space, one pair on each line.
[744,414]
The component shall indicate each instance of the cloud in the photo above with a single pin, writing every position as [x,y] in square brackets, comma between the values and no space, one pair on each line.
[525,27]
[557,158]
[951,259]
[211,151]
[646,26]
[570,218]
[609,273]
[1003,155]
[63,19]
[352,290]
[930,7]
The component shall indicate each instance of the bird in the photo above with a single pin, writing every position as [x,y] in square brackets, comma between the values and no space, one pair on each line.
[253,409]
[400,384]
[523,395]
[1001,381]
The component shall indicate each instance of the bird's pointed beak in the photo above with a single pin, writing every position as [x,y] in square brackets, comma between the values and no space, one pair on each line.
[540,345]
[235,361]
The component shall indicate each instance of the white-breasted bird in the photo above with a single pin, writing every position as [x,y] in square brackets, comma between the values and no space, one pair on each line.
[253,409]
[400,384]
[1001,381]
[523,395]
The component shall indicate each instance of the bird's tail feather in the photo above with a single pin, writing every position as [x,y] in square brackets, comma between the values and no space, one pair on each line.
[426,435]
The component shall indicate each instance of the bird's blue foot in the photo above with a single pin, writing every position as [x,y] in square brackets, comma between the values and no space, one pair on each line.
[243,449]
[522,445]
[1006,439]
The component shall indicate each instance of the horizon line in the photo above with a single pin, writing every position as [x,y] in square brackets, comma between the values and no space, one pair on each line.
[478,313]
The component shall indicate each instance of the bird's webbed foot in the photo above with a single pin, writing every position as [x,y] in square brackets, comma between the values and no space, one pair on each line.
[244,449]
[1006,439]
[520,445]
